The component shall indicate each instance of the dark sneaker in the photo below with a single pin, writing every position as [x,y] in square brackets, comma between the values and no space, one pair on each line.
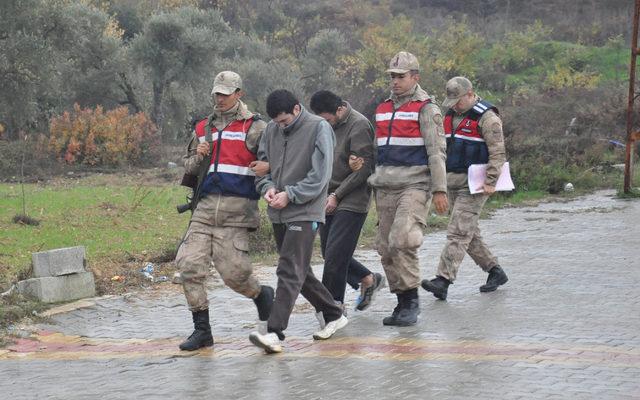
[406,316]
[366,298]
[496,278]
[197,340]
[263,302]
[438,286]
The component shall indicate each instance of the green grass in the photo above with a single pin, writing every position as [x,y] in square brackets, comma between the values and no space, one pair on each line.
[634,193]
[112,222]
[502,199]
[610,62]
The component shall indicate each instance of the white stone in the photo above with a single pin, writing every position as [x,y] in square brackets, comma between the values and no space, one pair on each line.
[58,262]
[54,289]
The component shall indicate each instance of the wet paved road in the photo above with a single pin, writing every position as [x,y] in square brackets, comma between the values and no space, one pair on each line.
[567,325]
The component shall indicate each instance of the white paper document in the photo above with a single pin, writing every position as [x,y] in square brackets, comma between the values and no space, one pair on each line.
[478,174]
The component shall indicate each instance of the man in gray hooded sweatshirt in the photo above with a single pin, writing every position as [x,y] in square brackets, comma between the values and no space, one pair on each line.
[299,149]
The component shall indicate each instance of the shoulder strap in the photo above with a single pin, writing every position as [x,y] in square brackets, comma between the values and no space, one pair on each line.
[450,113]
[206,161]
[207,131]
[480,108]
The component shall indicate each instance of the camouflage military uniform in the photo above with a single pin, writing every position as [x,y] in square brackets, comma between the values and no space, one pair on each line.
[219,229]
[463,232]
[403,197]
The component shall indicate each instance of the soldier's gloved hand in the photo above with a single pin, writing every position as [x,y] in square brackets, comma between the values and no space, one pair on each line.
[440,202]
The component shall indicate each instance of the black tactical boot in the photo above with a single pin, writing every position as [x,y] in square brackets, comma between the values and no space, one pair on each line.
[407,314]
[263,302]
[438,286]
[496,278]
[390,320]
[201,336]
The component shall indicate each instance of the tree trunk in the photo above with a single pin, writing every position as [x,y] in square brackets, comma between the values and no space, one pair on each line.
[157,114]
[11,130]
[130,95]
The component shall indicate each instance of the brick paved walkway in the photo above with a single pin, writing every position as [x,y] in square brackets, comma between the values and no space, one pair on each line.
[567,325]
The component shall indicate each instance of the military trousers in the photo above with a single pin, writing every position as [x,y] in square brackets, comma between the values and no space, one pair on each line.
[402,217]
[463,233]
[228,249]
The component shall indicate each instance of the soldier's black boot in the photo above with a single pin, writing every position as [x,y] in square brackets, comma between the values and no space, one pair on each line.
[263,302]
[438,286]
[408,315]
[201,336]
[407,310]
[390,320]
[496,278]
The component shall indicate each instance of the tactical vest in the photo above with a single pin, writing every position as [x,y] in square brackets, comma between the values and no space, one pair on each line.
[398,136]
[229,173]
[465,145]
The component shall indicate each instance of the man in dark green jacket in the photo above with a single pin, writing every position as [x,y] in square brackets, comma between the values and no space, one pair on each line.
[348,201]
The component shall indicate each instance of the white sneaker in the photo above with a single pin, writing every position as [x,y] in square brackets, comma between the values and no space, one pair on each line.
[320,315]
[320,318]
[331,328]
[261,326]
[270,342]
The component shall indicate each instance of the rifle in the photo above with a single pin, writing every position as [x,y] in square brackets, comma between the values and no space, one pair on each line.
[195,181]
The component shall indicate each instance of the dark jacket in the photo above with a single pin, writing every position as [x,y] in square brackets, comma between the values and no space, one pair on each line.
[354,135]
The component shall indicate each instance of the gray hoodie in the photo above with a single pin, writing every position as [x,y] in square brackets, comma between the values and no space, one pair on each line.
[300,157]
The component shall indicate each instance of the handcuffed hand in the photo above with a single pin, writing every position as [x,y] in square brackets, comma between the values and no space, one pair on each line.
[280,200]
[269,195]
[331,204]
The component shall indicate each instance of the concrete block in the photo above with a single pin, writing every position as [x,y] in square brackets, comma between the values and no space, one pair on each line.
[53,289]
[58,262]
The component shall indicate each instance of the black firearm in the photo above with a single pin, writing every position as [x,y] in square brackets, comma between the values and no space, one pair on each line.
[190,181]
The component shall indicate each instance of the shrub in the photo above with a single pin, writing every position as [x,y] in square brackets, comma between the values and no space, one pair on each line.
[94,137]
[567,77]
[515,53]
[38,162]
[453,49]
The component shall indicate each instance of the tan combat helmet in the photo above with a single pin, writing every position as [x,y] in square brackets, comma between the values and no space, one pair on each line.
[403,62]
[226,82]
[456,88]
